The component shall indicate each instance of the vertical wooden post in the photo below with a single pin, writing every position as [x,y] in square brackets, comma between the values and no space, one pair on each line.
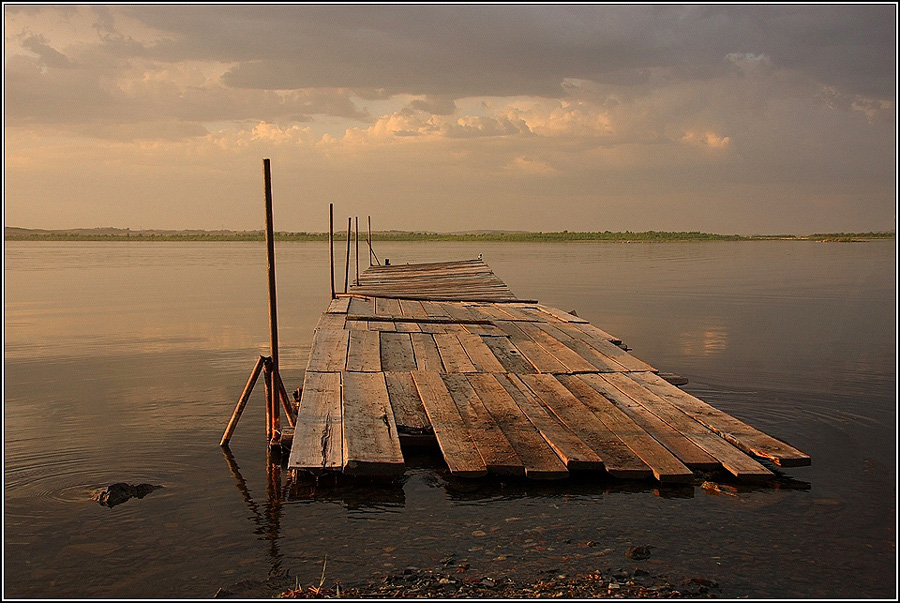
[275,422]
[357,251]
[267,380]
[369,241]
[331,244]
[347,264]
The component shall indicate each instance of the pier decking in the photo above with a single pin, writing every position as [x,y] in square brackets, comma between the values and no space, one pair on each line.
[506,386]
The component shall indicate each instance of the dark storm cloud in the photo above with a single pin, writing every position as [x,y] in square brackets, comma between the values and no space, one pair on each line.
[521,50]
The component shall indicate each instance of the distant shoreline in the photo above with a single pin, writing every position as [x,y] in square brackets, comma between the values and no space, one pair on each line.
[116,234]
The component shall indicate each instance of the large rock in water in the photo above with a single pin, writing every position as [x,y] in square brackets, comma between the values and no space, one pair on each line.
[118,493]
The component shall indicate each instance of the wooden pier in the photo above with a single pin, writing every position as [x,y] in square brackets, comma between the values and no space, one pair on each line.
[506,386]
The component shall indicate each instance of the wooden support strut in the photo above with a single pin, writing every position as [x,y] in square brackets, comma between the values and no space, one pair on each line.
[242,402]
[357,250]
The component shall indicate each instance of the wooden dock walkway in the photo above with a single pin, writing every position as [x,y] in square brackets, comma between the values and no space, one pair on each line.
[506,386]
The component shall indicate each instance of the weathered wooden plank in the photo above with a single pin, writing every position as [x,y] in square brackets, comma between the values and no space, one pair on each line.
[380,325]
[598,340]
[460,453]
[409,414]
[543,361]
[618,459]
[433,327]
[371,443]
[573,362]
[318,440]
[361,307]
[557,313]
[397,352]
[339,305]
[540,461]
[479,353]
[365,351]
[458,311]
[329,350]
[632,399]
[484,329]
[409,307]
[600,362]
[509,356]
[427,356]
[576,454]
[333,322]
[356,325]
[745,437]
[496,451]
[665,466]
[453,355]
[405,326]
[385,305]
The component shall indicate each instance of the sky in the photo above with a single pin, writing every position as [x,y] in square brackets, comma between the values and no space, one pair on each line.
[733,119]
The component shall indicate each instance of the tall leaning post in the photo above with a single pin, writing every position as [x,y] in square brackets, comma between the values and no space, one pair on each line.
[274,428]
[331,244]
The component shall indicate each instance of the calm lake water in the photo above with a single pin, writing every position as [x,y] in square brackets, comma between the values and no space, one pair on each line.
[123,363]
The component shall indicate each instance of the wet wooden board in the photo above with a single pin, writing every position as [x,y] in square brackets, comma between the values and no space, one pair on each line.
[460,453]
[371,442]
[318,441]
[740,434]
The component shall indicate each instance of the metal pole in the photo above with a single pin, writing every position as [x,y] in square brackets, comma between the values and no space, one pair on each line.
[331,243]
[347,264]
[357,251]
[275,426]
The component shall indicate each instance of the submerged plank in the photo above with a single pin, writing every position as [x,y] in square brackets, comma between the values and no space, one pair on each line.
[745,437]
[460,453]
[371,443]
[318,441]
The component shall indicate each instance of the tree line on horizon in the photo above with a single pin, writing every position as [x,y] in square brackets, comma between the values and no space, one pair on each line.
[565,235]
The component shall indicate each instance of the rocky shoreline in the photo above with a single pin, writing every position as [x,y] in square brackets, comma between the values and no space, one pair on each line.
[455,581]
